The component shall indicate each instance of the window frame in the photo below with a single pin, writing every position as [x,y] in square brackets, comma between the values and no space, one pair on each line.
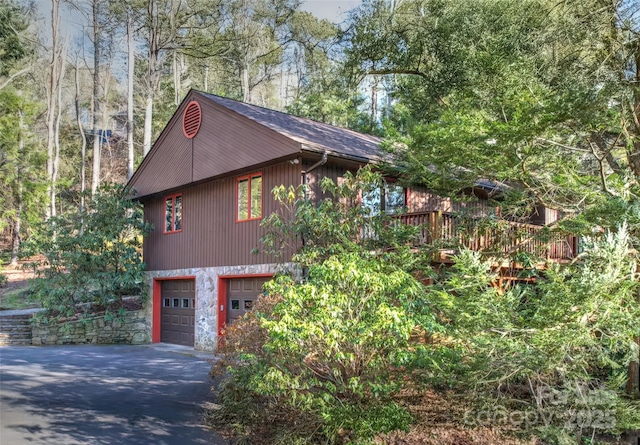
[173,198]
[392,182]
[249,178]
[383,192]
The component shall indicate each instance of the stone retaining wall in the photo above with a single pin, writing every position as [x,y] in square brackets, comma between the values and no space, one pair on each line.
[132,328]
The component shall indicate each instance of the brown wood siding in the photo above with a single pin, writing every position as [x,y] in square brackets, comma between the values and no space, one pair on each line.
[551,215]
[211,236]
[423,200]
[169,168]
[329,170]
[228,142]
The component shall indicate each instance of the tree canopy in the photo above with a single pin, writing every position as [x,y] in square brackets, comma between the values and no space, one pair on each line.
[537,93]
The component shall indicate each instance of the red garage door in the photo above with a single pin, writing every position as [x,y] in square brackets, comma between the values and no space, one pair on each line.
[178,312]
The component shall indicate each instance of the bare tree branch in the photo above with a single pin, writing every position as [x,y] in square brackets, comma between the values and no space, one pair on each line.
[13,76]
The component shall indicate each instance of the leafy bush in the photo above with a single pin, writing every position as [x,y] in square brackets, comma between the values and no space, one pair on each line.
[91,257]
[558,350]
[335,347]
[335,353]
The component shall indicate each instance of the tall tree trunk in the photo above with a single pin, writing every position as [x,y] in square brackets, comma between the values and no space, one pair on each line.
[53,85]
[130,74]
[56,154]
[148,116]
[95,173]
[153,73]
[374,102]
[83,150]
[176,80]
[15,235]
[105,139]
[633,384]
[246,88]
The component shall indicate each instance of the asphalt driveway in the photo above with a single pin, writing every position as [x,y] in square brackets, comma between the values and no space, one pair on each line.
[67,395]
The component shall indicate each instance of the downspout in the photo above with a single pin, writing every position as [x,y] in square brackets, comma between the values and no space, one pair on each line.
[321,162]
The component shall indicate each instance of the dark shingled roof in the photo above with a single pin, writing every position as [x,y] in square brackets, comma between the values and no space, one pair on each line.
[314,136]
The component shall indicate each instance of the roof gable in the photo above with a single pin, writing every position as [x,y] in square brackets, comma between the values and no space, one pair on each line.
[314,136]
[233,136]
[168,164]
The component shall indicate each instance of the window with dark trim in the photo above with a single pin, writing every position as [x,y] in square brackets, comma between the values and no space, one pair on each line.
[392,199]
[249,197]
[395,198]
[173,214]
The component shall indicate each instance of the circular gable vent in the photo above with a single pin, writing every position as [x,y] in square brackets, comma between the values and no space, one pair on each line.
[191,119]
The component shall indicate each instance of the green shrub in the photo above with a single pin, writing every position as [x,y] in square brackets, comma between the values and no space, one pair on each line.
[335,348]
[92,258]
[334,353]
[559,350]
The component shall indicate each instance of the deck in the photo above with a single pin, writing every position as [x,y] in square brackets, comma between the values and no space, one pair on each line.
[499,237]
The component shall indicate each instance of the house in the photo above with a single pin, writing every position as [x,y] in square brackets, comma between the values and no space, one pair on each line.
[206,185]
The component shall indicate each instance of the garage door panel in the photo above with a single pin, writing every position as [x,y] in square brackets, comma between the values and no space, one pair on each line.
[235,285]
[241,295]
[178,312]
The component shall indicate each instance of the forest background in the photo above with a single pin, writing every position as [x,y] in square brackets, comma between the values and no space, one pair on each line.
[541,96]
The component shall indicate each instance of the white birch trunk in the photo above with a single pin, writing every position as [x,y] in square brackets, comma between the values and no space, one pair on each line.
[131,62]
[176,80]
[56,155]
[148,116]
[246,89]
[153,74]
[95,172]
[51,98]
[83,152]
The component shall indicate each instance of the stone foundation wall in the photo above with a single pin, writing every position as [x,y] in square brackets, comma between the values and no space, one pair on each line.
[206,310]
[132,328]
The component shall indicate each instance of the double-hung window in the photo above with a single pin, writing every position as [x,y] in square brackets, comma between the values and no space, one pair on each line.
[249,197]
[173,214]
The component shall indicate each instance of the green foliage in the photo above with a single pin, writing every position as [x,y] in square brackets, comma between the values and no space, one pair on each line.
[334,349]
[21,164]
[536,93]
[337,345]
[320,228]
[91,257]
[12,48]
[572,334]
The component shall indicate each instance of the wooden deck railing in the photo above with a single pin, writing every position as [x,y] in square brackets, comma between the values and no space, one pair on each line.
[503,237]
